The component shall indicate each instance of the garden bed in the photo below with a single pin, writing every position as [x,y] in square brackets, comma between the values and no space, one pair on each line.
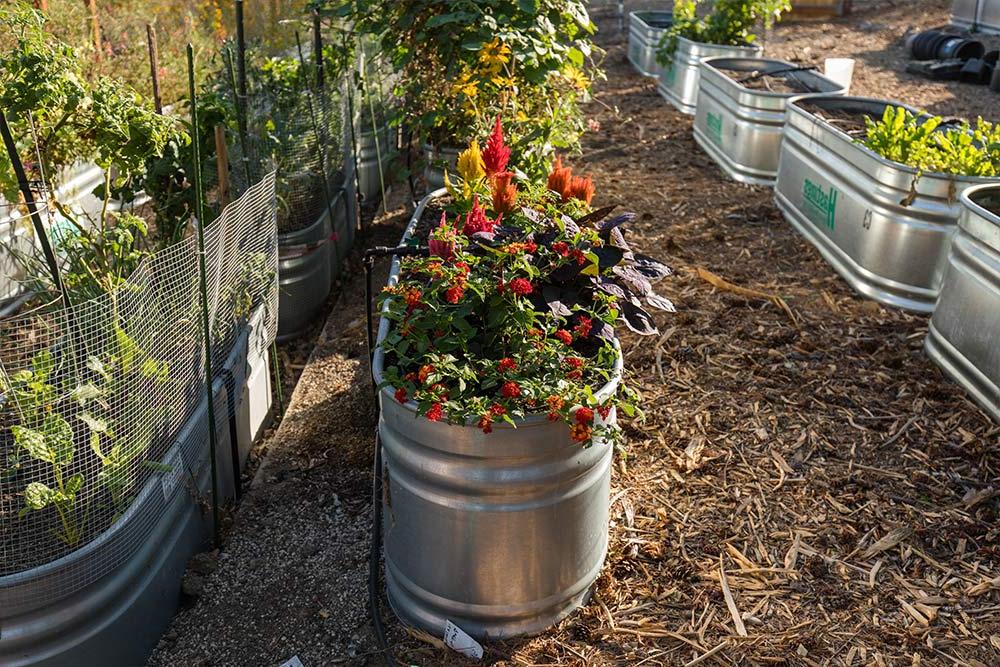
[828,464]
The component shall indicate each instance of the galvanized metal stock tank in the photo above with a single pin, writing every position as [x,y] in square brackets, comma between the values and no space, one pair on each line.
[504,533]
[368,159]
[741,127]
[977,15]
[678,81]
[437,159]
[886,231]
[964,335]
[644,32]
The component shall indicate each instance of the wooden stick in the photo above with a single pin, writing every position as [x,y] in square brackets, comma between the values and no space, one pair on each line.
[222,161]
[154,66]
[95,25]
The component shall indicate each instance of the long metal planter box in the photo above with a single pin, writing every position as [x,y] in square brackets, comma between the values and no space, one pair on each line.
[502,534]
[885,231]
[741,127]
[48,620]
[977,15]
[964,335]
[678,81]
[644,32]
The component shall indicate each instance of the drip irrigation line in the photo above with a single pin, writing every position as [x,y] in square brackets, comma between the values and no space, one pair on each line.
[203,287]
[783,70]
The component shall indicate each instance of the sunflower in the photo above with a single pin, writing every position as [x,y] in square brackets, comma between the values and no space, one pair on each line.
[576,78]
[494,55]
[465,85]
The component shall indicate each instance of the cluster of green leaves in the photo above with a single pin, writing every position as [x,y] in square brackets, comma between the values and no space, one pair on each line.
[728,23]
[462,63]
[924,143]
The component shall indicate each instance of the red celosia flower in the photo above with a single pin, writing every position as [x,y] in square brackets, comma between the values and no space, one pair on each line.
[560,179]
[486,423]
[560,248]
[454,294]
[580,432]
[520,286]
[497,153]
[574,362]
[565,336]
[401,395]
[582,188]
[435,413]
[476,220]
[504,192]
[579,256]
[510,390]
[584,415]
[584,326]
[507,364]
[440,247]
[424,372]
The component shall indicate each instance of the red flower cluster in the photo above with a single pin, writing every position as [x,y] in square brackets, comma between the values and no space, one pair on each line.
[454,294]
[413,297]
[441,242]
[435,413]
[583,326]
[584,416]
[507,364]
[424,372]
[561,248]
[580,432]
[604,411]
[555,404]
[510,390]
[562,181]
[400,395]
[565,336]
[486,421]
[517,248]
[496,155]
[520,286]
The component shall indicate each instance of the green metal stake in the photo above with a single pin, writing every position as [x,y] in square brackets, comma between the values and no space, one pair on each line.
[203,283]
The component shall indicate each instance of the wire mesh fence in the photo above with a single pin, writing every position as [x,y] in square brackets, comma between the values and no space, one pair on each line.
[98,401]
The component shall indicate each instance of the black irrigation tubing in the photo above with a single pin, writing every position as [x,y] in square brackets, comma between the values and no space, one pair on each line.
[203,285]
[784,70]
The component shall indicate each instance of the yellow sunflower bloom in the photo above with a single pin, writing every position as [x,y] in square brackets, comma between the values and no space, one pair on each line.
[465,86]
[576,78]
[494,55]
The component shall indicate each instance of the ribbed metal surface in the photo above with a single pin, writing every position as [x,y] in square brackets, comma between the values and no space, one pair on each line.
[368,159]
[964,335]
[304,275]
[741,127]
[437,159]
[502,534]
[884,230]
[644,32]
[977,15]
[678,82]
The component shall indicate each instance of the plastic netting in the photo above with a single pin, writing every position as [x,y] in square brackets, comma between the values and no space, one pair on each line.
[96,398]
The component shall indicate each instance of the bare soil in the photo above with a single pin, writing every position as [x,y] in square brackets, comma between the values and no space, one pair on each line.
[807,489]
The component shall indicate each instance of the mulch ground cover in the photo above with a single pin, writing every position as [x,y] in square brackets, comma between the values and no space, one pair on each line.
[807,487]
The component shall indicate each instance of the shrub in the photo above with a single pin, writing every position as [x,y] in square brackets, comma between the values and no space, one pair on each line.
[729,23]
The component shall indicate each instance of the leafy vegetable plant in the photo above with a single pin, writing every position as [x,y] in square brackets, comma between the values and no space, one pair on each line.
[728,23]
[514,310]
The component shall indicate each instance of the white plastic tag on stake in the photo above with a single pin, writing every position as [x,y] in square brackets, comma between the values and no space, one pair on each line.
[458,640]
[293,662]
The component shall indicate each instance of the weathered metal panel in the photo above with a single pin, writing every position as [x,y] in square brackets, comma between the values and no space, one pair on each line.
[741,127]
[964,334]
[885,228]
[644,32]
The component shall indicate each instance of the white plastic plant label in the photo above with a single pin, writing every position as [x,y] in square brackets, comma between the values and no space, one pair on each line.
[292,662]
[458,640]
[172,477]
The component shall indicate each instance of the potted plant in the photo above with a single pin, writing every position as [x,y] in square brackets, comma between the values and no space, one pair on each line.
[962,336]
[727,30]
[741,112]
[874,185]
[645,29]
[501,378]
[459,66]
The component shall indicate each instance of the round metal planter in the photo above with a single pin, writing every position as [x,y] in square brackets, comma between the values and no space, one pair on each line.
[964,334]
[644,32]
[502,534]
[438,158]
[368,159]
[304,275]
[48,619]
[678,81]
[977,15]
[741,127]
[886,231]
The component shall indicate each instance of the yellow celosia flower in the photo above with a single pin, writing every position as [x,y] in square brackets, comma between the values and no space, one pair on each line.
[470,163]
[494,55]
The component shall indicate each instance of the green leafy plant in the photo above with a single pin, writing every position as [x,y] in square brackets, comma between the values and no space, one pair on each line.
[925,143]
[728,23]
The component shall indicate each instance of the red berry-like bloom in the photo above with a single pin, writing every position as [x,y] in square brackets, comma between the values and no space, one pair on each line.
[486,423]
[584,326]
[560,179]
[531,246]
[565,336]
[510,390]
[504,192]
[435,413]
[454,294]
[574,362]
[400,395]
[582,188]
[604,411]
[413,297]
[574,375]
[579,256]
[476,220]
[425,371]
[584,416]
[463,267]
[506,364]
[521,286]
[555,402]
[553,416]
[560,248]
[580,432]
[497,410]
[496,155]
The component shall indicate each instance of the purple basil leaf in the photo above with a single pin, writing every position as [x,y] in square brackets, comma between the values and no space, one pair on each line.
[603,330]
[596,216]
[611,287]
[638,320]
[617,239]
[571,227]
[616,221]
[651,268]
[657,301]
[634,280]
[567,272]
[608,256]
[552,297]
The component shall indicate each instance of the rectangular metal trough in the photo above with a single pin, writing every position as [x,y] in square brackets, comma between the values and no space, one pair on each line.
[977,15]
[678,81]
[885,228]
[740,127]
[964,335]
[644,32]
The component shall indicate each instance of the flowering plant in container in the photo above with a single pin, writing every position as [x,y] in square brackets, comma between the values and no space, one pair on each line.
[729,23]
[513,310]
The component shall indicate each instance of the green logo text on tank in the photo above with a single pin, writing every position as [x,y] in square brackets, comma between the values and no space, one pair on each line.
[669,74]
[714,123]
[821,205]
